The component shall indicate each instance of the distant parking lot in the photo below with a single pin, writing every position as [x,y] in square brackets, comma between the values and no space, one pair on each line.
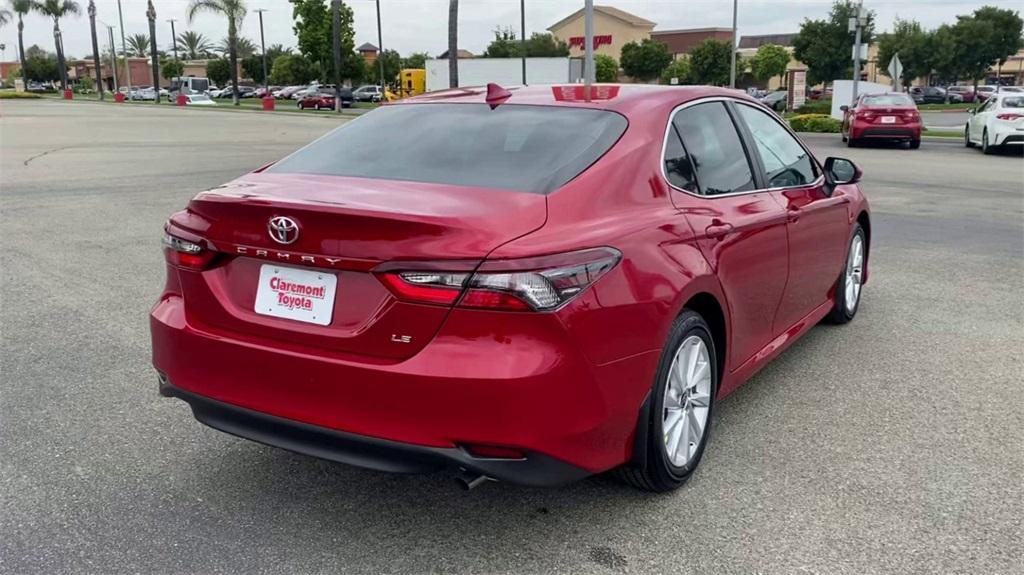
[891,445]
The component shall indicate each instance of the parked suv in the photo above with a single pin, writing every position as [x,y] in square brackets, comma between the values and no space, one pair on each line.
[367,94]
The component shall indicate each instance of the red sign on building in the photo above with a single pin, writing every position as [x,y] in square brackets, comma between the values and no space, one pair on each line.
[579,41]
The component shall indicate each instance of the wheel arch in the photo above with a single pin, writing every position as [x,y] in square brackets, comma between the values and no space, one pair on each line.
[708,307]
[865,223]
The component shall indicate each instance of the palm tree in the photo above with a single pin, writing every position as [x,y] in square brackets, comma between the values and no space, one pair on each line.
[5,17]
[244,47]
[138,45]
[453,43]
[21,8]
[194,45]
[234,11]
[57,9]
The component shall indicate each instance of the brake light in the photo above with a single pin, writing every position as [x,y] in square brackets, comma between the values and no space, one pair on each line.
[186,254]
[530,284]
[1008,116]
[865,115]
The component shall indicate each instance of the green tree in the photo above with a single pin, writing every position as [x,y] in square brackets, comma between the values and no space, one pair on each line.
[504,45]
[392,66]
[218,71]
[276,50]
[769,61]
[942,44]
[234,11]
[606,69]
[57,9]
[710,62]
[545,45]
[252,68]
[40,65]
[313,29]
[244,47]
[1007,26]
[914,46]
[974,42]
[138,45]
[679,69]
[826,46]
[416,61]
[193,45]
[172,68]
[646,60]
[291,70]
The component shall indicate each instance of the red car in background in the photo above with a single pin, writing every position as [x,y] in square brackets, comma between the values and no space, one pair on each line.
[965,92]
[529,285]
[324,100]
[891,116]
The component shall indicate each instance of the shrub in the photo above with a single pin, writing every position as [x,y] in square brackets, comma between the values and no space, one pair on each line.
[11,95]
[823,106]
[821,123]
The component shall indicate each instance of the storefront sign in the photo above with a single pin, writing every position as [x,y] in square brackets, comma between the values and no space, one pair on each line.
[579,41]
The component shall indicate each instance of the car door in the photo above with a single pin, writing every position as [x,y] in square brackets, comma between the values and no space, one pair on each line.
[977,120]
[818,221]
[740,229]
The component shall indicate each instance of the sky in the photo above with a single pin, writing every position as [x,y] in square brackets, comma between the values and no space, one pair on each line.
[422,25]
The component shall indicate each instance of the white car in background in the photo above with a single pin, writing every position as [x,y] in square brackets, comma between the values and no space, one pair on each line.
[199,100]
[998,122]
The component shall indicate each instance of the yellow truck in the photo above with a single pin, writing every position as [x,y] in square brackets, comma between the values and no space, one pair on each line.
[411,82]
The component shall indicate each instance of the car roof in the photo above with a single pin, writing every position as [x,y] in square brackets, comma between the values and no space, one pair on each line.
[618,97]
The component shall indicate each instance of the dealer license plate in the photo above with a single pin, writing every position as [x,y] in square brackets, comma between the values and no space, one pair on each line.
[296,294]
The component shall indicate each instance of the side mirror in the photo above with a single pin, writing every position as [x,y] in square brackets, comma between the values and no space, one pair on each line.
[840,171]
[844,108]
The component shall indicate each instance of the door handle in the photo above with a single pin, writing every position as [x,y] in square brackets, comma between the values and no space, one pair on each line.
[717,229]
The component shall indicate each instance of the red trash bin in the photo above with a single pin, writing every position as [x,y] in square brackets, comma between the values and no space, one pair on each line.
[119,97]
[68,94]
[181,100]
[268,103]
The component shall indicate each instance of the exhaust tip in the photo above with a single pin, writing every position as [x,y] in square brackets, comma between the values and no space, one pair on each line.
[469,481]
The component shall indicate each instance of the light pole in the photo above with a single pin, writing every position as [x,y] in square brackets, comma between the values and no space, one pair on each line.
[522,35]
[174,39]
[732,67]
[856,25]
[380,54]
[263,50]
[154,57]
[95,49]
[113,56]
[336,34]
[588,45]
[124,47]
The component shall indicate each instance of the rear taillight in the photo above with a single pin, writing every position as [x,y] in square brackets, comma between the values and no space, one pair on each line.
[1008,116]
[865,115]
[186,254]
[531,284]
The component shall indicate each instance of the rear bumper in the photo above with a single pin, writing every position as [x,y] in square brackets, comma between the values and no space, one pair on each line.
[534,469]
[900,132]
[1011,137]
[506,380]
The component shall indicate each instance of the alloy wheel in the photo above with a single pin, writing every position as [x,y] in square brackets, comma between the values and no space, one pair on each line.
[854,272]
[687,401]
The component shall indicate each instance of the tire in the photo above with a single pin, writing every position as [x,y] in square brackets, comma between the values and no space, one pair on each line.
[843,135]
[298,105]
[986,149]
[851,143]
[842,312]
[914,144]
[967,137]
[658,472]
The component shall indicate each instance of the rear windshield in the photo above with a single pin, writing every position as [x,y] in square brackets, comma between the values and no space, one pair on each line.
[1013,102]
[526,148]
[888,100]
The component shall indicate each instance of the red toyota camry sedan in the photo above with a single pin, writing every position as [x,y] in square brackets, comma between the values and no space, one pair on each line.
[892,116]
[531,285]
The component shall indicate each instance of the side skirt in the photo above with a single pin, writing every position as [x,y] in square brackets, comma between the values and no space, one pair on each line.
[740,375]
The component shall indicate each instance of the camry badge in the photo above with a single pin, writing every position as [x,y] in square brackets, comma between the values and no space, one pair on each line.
[283,230]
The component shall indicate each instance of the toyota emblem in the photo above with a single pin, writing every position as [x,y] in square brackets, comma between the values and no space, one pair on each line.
[283,230]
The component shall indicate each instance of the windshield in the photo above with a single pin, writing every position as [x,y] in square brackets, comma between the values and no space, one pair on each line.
[526,148]
[888,100]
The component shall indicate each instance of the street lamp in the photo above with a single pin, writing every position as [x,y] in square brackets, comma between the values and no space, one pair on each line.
[732,66]
[588,42]
[174,39]
[522,34]
[154,57]
[124,46]
[113,57]
[263,50]
[380,53]
[95,49]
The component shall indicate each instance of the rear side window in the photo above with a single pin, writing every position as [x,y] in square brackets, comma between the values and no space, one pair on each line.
[714,148]
[786,162]
[525,148]
[678,167]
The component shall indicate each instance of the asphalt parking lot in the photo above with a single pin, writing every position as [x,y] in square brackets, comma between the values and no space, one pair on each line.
[891,445]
